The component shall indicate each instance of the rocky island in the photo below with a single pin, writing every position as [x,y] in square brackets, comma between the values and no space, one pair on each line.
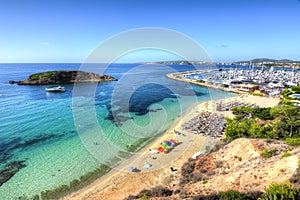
[64,77]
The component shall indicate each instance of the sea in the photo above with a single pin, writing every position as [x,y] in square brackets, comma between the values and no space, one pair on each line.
[52,144]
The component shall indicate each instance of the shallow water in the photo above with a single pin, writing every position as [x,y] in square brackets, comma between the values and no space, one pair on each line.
[62,137]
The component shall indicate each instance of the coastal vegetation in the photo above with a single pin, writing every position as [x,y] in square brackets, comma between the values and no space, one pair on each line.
[201,81]
[296,89]
[274,191]
[280,191]
[293,141]
[274,123]
[202,178]
[266,153]
[233,194]
[63,77]
[285,154]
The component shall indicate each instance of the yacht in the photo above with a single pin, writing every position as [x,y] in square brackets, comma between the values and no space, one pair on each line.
[56,89]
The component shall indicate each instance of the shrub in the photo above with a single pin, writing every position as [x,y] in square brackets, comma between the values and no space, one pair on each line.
[285,154]
[160,191]
[280,191]
[293,141]
[204,181]
[290,148]
[239,159]
[144,197]
[267,153]
[296,88]
[197,177]
[263,113]
[233,195]
[187,171]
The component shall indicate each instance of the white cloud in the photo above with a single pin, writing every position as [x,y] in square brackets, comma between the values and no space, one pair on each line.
[44,43]
[222,46]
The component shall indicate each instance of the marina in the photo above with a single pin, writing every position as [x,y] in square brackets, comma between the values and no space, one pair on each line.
[270,82]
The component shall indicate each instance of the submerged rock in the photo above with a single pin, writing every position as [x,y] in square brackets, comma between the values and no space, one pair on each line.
[10,170]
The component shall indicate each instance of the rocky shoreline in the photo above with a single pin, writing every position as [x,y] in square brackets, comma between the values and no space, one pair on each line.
[64,77]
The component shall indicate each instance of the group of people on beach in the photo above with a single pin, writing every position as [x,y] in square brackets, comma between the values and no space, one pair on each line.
[227,106]
[206,124]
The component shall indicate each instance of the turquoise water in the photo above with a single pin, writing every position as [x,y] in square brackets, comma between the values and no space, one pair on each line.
[54,135]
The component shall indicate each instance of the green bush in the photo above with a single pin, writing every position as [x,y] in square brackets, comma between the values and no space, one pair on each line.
[290,148]
[280,191]
[285,154]
[262,113]
[144,197]
[232,195]
[293,141]
[267,153]
[296,89]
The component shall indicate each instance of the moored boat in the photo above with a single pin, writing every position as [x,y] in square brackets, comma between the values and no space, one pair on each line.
[56,89]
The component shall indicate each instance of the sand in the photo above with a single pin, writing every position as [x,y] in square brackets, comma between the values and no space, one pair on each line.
[120,183]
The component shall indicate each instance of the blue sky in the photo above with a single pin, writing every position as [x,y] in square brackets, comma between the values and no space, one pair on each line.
[67,31]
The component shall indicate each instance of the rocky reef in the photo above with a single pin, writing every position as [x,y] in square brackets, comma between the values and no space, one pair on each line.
[64,77]
[10,170]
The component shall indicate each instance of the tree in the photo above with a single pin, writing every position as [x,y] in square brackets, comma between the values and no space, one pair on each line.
[241,111]
[296,89]
[291,117]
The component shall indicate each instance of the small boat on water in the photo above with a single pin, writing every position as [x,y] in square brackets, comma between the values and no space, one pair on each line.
[56,89]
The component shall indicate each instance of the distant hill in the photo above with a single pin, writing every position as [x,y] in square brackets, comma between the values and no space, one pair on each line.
[256,60]
[261,60]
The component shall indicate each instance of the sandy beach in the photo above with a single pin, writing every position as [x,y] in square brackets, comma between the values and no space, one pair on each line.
[120,183]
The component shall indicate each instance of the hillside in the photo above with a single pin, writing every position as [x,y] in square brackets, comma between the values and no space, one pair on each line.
[63,77]
[238,166]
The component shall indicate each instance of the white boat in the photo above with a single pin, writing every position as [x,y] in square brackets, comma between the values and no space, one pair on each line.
[56,89]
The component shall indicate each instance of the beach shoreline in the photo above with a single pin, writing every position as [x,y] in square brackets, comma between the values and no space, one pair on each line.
[116,175]
[121,183]
[174,76]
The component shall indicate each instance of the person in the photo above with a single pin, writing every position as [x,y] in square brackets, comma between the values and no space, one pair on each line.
[172,169]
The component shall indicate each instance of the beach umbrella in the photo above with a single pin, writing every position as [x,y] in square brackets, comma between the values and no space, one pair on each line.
[147,165]
[165,146]
[160,149]
[173,141]
[168,143]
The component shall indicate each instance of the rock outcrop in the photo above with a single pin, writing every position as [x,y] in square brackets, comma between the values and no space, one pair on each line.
[63,77]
